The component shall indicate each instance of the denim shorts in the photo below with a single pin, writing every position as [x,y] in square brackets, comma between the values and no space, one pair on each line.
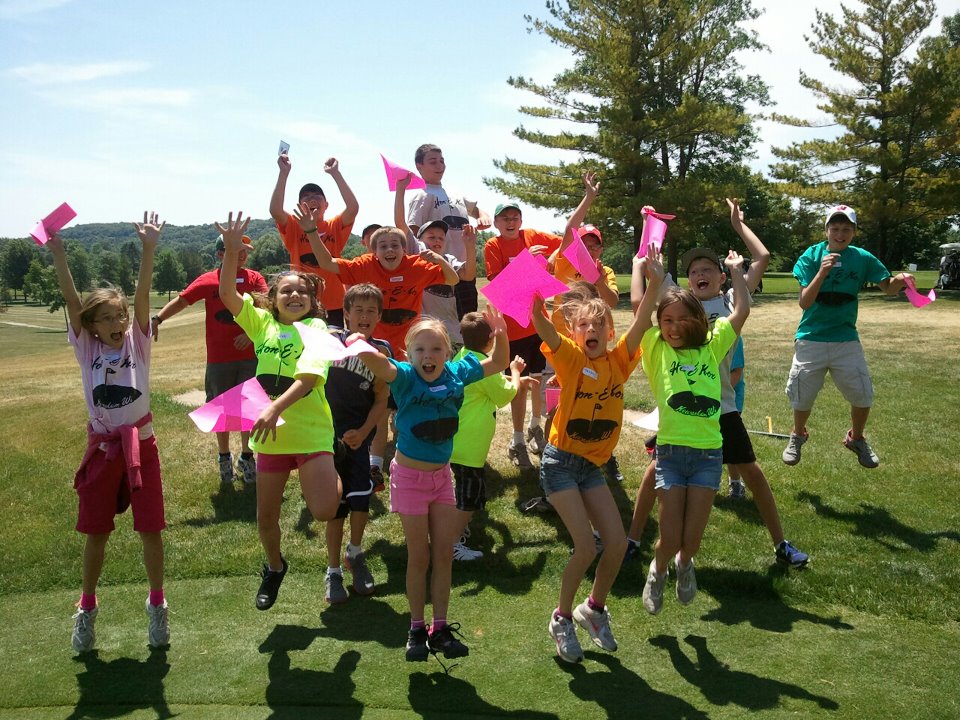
[560,470]
[679,466]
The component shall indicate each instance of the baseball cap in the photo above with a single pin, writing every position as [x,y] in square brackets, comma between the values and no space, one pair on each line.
[432,224]
[590,230]
[506,206]
[848,212]
[248,243]
[695,254]
[311,189]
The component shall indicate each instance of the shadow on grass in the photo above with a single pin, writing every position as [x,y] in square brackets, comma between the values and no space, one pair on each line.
[444,696]
[498,570]
[621,693]
[877,524]
[749,597]
[119,687]
[295,693]
[365,619]
[229,505]
[722,686]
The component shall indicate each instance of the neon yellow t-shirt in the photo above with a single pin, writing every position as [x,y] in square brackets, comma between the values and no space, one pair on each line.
[478,415]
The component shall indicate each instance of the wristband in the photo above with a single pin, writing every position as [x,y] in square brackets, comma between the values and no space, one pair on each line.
[157,318]
[311,230]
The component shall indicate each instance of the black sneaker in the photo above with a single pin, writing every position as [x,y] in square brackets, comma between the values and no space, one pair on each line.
[270,586]
[443,641]
[417,650]
[612,469]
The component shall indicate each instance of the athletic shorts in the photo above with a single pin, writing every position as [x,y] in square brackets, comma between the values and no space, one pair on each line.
[220,377]
[529,349]
[737,448]
[412,492]
[285,463]
[847,366]
[353,467]
[470,487]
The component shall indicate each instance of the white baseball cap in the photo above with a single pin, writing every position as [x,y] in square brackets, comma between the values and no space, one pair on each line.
[848,212]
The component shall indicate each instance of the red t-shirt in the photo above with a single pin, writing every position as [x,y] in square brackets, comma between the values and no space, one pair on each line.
[499,251]
[334,235]
[402,290]
[220,326]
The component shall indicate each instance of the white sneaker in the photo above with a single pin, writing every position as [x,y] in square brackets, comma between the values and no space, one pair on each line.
[84,634]
[686,582]
[564,634]
[653,590]
[158,634]
[463,553]
[535,440]
[597,624]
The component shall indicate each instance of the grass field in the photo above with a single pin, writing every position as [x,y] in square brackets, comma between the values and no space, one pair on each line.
[869,629]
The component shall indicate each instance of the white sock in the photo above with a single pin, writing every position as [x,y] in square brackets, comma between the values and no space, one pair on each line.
[335,571]
[518,437]
[376,461]
[353,550]
[535,421]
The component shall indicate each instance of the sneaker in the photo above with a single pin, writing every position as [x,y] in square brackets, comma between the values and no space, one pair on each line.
[612,468]
[518,456]
[737,491]
[686,582]
[464,554]
[865,454]
[789,555]
[362,579]
[564,634]
[376,477]
[597,623]
[270,586]
[653,590]
[443,641]
[633,550]
[791,455]
[334,592]
[535,440]
[226,470]
[417,650]
[84,634]
[247,469]
[158,634]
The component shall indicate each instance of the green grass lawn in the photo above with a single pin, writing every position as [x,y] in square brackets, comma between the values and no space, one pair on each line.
[870,629]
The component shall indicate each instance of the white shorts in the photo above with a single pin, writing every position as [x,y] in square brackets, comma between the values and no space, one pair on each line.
[847,366]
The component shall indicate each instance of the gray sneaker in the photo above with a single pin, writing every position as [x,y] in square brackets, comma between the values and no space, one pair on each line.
[518,456]
[335,592]
[597,624]
[158,633]
[84,634]
[737,491]
[247,469]
[226,470]
[535,440]
[686,582]
[362,579]
[564,634]
[791,455]
[865,454]
[653,590]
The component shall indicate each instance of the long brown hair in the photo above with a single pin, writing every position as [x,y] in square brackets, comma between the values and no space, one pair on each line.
[695,331]
[314,285]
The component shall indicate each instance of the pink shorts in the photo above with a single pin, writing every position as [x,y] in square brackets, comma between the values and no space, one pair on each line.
[284,463]
[99,485]
[412,492]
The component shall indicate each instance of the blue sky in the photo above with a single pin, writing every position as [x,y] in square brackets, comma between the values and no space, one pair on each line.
[117,107]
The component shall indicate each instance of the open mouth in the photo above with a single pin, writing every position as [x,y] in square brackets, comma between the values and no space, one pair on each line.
[592,344]
[116,336]
[428,368]
[702,284]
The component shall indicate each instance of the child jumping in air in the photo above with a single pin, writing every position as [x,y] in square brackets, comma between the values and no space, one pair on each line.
[294,381]
[428,390]
[121,465]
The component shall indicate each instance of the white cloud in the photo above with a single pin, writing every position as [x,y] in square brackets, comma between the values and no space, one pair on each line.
[18,9]
[51,74]
[123,100]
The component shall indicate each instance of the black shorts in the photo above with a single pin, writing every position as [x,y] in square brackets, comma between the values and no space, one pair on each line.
[353,467]
[465,292]
[470,487]
[737,448]
[529,349]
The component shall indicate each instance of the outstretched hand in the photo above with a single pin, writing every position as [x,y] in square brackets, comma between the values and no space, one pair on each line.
[591,183]
[305,216]
[736,214]
[404,182]
[734,260]
[653,266]
[494,318]
[283,162]
[331,166]
[233,231]
[149,231]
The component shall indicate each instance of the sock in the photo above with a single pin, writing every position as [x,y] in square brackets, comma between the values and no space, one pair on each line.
[437,625]
[594,605]
[247,454]
[557,615]
[518,437]
[534,421]
[631,541]
[88,601]
[156,597]
[225,456]
[335,571]
[376,461]
[353,550]
[417,624]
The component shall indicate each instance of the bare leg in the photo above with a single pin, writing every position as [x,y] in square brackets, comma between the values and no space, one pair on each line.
[673,510]
[378,446]
[754,479]
[858,420]
[358,524]
[245,442]
[518,409]
[570,506]
[334,535]
[697,512]
[800,418]
[153,558]
[646,495]
[93,552]
[415,531]
[223,442]
[321,487]
[444,531]
[605,517]
[269,498]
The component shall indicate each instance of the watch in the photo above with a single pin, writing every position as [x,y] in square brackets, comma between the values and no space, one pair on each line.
[157,318]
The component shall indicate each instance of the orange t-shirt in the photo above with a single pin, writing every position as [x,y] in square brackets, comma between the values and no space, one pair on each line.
[334,235]
[402,290]
[499,252]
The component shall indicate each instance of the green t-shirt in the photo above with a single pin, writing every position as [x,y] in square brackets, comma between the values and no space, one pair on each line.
[308,424]
[686,385]
[478,415]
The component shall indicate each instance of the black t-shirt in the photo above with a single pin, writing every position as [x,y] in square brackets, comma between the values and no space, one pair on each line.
[349,386]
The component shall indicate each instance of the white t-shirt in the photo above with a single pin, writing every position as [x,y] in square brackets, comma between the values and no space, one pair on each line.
[433,203]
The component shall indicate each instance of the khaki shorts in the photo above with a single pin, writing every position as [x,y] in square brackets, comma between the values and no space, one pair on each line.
[847,366]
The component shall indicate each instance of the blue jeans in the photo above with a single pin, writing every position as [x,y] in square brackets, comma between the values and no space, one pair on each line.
[560,470]
[680,466]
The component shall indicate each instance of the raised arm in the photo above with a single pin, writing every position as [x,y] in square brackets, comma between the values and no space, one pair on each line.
[307,219]
[149,234]
[399,215]
[895,283]
[650,267]
[65,280]
[376,362]
[165,313]
[741,295]
[499,359]
[759,255]
[545,329]
[352,207]
[276,200]
[591,188]
[468,271]
[482,218]
[232,243]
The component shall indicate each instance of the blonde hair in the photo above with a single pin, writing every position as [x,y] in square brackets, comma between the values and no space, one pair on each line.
[92,302]
[592,309]
[431,324]
[383,232]
[694,332]
[315,286]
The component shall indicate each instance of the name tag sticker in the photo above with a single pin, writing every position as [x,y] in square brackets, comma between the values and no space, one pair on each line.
[397,278]
[438,388]
[688,368]
[239,280]
[285,335]
[590,373]
[838,264]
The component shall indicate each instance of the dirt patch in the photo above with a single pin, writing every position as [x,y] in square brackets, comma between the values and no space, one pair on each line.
[193,398]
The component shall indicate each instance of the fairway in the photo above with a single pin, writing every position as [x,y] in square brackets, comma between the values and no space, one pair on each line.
[870,629]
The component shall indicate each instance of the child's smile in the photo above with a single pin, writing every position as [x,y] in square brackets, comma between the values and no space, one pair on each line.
[427,354]
[293,299]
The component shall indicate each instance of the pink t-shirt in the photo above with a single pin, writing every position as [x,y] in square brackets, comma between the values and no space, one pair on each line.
[116,383]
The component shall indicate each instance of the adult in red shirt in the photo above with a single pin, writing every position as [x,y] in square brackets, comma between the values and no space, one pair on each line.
[334,233]
[230,356]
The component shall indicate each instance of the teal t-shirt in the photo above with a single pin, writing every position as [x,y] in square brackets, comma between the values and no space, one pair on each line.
[478,415]
[686,385]
[833,315]
[307,424]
